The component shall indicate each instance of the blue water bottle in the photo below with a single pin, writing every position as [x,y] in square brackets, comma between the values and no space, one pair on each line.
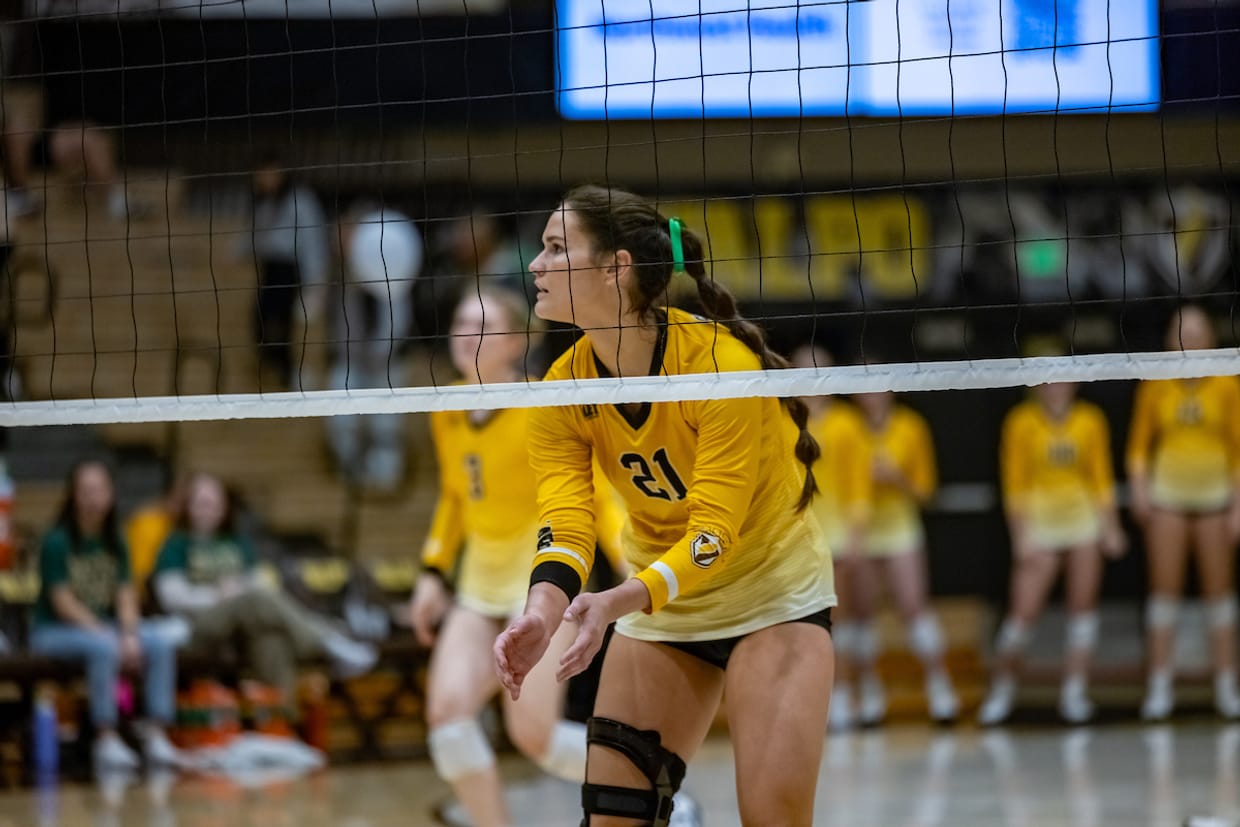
[45,736]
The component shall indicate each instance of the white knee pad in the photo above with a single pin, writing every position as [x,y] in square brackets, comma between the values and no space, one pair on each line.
[1082,631]
[1161,612]
[566,752]
[926,637]
[1013,637]
[844,636]
[865,644]
[1222,611]
[460,748]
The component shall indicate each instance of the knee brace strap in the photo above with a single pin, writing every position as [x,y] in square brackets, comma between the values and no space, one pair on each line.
[1222,611]
[663,768]
[1161,612]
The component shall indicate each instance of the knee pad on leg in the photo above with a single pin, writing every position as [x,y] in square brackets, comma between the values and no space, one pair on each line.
[1161,612]
[460,748]
[663,768]
[925,637]
[1082,631]
[1013,637]
[566,752]
[845,635]
[866,644]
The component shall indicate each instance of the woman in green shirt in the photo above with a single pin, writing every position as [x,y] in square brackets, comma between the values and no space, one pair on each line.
[88,612]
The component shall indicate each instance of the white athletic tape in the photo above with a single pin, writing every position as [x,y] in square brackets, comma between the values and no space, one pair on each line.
[566,752]
[1082,631]
[460,748]
[846,379]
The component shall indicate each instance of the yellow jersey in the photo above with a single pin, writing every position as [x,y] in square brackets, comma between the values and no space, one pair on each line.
[711,489]
[1056,474]
[1185,437]
[487,509]
[904,441]
[843,472]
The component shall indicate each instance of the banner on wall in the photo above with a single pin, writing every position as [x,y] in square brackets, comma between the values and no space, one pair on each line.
[934,247]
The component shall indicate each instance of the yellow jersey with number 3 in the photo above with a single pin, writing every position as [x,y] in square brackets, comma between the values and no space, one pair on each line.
[904,441]
[711,489]
[487,510]
[1185,435]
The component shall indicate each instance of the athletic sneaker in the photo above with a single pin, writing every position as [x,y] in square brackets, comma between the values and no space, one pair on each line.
[998,704]
[686,812]
[112,754]
[873,701]
[1159,699]
[841,712]
[941,698]
[349,658]
[161,753]
[1226,698]
[1074,704]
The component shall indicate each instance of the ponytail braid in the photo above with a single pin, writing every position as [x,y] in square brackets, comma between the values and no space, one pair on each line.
[720,305]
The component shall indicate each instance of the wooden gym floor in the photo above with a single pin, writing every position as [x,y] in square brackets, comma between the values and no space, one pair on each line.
[905,776]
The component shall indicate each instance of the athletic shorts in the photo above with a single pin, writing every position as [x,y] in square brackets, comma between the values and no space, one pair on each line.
[718,652]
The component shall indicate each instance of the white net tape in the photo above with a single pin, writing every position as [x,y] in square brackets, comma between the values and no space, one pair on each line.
[925,376]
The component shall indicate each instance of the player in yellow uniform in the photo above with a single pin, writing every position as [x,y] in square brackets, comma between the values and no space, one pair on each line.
[843,509]
[487,518]
[733,583]
[1059,497]
[1184,474]
[903,475]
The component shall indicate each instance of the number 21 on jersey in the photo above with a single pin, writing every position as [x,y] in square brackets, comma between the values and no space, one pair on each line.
[650,484]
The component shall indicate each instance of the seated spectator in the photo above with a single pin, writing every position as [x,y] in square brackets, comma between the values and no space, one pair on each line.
[382,254]
[87,611]
[207,572]
[149,527]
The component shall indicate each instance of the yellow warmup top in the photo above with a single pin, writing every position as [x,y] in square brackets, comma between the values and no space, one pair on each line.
[1056,471]
[895,517]
[843,472]
[711,490]
[487,508]
[1185,436]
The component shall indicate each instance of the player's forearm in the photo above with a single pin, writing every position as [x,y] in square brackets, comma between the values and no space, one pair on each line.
[548,602]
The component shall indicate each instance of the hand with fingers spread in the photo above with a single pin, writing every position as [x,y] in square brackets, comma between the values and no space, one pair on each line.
[593,613]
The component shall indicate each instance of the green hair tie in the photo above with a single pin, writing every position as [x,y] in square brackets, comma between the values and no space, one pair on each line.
[678,247]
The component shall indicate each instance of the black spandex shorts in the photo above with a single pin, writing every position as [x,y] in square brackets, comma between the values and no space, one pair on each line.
[717,652]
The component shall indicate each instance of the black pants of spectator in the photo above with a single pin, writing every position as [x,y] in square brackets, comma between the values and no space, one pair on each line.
[277,296]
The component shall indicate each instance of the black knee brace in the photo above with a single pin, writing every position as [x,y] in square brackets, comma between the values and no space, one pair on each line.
[664,769]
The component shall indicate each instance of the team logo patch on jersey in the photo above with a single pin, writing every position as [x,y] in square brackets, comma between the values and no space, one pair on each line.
[705,550]
[545,538]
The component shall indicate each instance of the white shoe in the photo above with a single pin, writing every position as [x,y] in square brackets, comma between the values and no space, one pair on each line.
[349,658]
[1074,704]
[1226,698]
[112,754]
[873,701]
[160,752]
[941,698]
[686,812]
[998,704]
[1159,699]
[841,712]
